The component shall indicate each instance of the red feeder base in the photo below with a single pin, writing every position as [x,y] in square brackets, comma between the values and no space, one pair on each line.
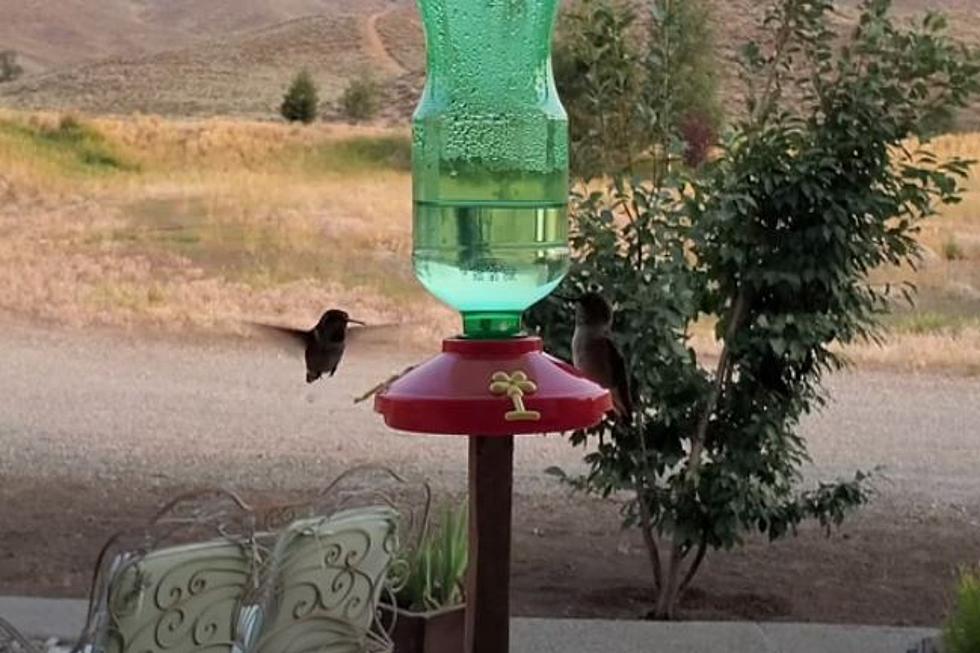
[493,388]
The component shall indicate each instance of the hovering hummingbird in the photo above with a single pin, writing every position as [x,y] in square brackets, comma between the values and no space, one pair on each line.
[596,355]
[324,344]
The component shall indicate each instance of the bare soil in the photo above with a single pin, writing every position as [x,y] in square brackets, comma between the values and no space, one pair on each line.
[570,558]
[98,429]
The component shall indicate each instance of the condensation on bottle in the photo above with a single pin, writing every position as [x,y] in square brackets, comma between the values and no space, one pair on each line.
[490,160]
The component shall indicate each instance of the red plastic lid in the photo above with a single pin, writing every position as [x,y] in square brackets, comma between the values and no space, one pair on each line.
[493,388]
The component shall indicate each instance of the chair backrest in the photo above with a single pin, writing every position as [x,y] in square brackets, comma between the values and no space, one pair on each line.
[185,598]
[199,576]
[326,581]
[179,577]
[11,641]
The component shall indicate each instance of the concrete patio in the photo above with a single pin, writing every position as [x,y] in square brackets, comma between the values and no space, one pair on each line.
[44,618]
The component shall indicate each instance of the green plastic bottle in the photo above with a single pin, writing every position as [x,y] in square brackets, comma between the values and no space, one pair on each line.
[490,159]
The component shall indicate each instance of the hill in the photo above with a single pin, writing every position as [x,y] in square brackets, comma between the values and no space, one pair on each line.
[58,33]
[235,57]
[240,74]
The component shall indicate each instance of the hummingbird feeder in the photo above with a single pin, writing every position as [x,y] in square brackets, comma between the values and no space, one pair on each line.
[490,173]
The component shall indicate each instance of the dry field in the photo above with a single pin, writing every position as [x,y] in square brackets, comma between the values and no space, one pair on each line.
[239,74]
[942,330]
[64,33]
[196,225]
[220,57]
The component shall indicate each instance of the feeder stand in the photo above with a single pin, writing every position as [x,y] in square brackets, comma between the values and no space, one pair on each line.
[490,187]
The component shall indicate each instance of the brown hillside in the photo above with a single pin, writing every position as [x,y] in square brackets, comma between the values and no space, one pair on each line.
[58,33]
[235,57]
[243,74]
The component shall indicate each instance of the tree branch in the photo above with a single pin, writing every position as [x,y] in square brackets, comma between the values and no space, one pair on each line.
[646,525]
[695,565]
[669,593]
[722,376]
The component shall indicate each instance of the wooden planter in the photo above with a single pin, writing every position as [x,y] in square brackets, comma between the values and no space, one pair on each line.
[430,632]
[928,646]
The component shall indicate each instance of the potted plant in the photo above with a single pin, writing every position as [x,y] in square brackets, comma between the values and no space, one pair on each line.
[962,633]
[430,610]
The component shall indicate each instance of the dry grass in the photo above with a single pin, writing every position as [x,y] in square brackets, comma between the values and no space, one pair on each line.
[57,33]
[241,74]
[207,224]
[200,224]
[235,57]
[942,329]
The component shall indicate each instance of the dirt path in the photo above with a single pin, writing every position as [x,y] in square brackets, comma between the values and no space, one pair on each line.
[95,429]
[375,45]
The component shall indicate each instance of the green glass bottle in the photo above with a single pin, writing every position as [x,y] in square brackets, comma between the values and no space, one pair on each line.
[490,159]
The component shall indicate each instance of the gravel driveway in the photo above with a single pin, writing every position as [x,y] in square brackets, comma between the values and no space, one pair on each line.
[103,405]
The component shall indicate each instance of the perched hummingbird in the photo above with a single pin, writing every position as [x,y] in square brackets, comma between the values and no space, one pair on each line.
[324,344]
[596,355]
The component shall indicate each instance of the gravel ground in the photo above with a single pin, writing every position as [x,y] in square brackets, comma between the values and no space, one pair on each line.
[98,428]
[97,406]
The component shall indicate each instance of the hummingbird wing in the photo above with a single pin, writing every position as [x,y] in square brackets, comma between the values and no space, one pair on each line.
[285,335]
[374,333]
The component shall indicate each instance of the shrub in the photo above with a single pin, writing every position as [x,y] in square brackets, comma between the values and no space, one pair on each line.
[435,571]
[773,242]
[301,102]
[962,632]
[611,73]
[361,99]
[10,69]
[952,250]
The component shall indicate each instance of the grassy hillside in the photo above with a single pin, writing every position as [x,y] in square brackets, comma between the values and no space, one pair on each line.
[185,225]
[198,225]
[59,33]
[244,74]
[237,62]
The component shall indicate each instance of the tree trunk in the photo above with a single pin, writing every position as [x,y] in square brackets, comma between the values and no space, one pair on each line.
[667,596]
[670,591]
[649,539]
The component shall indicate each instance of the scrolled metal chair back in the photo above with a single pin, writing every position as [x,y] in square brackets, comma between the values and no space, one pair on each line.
[11,641]
[334,561]
[177,583]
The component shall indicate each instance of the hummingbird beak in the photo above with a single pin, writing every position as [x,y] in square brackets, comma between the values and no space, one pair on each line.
[353,321]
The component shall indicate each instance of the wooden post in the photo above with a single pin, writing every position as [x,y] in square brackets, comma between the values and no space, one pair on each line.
[488,577]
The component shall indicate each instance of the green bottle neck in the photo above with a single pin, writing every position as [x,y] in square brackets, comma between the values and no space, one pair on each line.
[492,325]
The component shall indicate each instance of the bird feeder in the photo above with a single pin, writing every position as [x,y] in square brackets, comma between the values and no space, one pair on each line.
[490,185]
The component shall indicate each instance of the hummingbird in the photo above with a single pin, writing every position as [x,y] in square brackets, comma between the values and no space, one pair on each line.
[596,355]
[324,344]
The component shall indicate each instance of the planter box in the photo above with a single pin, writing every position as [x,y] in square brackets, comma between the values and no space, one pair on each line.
[430,632]
[928,646]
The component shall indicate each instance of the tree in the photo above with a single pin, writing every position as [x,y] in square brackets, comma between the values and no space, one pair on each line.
[361,99]
[10,69]
[682,74]
[599,72]
[301,103]
[611,65]
[823,181]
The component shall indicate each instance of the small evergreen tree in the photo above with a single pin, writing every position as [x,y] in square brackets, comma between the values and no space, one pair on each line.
[616,64]
[361,99]
[599,70]
[301,102]
[682,74]
[10,69]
